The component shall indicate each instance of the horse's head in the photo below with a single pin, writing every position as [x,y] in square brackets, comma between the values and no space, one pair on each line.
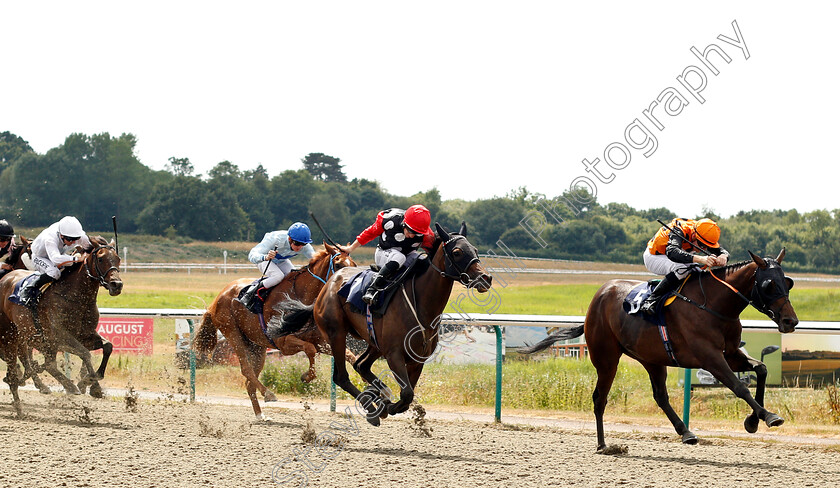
[339,259]
[770,293]
[461,261]
[103,264]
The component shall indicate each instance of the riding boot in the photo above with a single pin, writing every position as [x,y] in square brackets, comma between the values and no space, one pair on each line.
[380,281]
[247,298]
[666,286]
[29,296]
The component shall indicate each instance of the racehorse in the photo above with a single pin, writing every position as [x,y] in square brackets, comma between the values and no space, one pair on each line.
[406,335]
[245,333]
[65,317]
[704,332]
[20,256]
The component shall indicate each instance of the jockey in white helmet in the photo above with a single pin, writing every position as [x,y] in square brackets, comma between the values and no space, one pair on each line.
[51,248]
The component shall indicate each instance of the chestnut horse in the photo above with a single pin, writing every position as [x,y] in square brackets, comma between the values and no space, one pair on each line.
[245,334]
[704,330]
[66,315]
[406,335]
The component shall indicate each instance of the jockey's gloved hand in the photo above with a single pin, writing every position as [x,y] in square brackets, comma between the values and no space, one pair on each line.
[79,258]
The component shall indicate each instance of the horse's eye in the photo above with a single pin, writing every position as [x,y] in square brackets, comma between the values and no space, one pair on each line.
[457,252]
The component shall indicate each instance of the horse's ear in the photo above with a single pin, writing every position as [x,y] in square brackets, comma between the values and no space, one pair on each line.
[112,242]
[463,230]
[780,256]
[759,261]
[444,236]
[329,248]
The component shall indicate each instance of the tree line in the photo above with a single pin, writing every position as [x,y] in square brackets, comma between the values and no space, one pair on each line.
[97,176]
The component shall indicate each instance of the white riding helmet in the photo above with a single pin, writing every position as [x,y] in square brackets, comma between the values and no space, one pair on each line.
[70,227]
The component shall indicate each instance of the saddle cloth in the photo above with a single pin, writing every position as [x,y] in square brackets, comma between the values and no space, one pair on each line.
[15,296]
[355,287]
[633,302]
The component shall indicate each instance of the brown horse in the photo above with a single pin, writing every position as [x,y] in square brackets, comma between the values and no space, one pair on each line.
[66,315]
[704,331]
[406,335]
[20,255]
[245,334]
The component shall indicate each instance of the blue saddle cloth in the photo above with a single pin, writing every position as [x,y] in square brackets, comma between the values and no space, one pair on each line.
[633,302]
[15,296]
[355,288]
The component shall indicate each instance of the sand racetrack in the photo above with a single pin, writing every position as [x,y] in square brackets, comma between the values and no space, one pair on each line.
[80,441]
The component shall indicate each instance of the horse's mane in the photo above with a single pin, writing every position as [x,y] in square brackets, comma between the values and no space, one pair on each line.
[729,268]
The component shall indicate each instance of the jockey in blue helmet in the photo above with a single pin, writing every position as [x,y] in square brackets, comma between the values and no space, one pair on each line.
[272,256]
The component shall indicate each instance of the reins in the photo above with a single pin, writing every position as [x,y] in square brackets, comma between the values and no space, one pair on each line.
[763,307]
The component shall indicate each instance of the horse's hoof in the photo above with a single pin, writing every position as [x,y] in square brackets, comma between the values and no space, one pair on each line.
[269,396]
[373,420]
[45,390]
[263,418]
[689,438]
[392,408]
[96,391]
[306,377]
[751,424]
[773,420]
[73,390]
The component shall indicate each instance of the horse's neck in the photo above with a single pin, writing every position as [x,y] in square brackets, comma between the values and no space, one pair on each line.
[742,280]
[433,288]
[77,285]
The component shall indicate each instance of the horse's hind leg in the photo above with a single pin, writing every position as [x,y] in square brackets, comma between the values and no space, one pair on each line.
[252,383]
[604,354]
[658,374]
[49,365]
[29,370]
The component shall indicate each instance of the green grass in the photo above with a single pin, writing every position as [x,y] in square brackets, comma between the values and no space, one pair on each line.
[816,304]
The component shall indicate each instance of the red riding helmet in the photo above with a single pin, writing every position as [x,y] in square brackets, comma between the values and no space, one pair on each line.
[418,219]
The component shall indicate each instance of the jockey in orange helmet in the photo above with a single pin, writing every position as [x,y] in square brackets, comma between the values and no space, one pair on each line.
[400,233]
[667,254]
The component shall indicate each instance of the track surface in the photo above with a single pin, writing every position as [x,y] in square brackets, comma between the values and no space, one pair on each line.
[80,441]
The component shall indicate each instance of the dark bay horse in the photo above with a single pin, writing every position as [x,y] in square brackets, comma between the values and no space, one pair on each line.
[20,256]
[406,335]
[67,316]
[707,337]
[245,334]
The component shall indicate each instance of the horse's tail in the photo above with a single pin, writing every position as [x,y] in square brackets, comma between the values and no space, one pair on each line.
[205,339]
[558,335]
[296,315]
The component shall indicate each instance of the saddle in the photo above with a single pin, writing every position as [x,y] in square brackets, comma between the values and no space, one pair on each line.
[258,302]
[355,287]
[633,301]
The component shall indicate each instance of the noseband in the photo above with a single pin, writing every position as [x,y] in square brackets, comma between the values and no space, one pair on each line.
[100,276]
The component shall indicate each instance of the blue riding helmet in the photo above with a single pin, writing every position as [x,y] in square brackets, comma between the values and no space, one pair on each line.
[300,232]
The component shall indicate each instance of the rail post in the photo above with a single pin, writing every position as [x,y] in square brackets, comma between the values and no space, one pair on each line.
[499,358]
[332,384]
[192,363]
[687,397]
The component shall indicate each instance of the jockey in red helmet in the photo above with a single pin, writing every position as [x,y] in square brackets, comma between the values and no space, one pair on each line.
[400,233]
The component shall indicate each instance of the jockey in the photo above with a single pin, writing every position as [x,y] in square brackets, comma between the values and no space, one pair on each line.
[400,233]
[50,249]
[667,254]
[272,256]
[7,242]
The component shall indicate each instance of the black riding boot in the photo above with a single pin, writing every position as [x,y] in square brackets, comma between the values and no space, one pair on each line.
[380,281]
[29,295]
[247,299]
[667,285]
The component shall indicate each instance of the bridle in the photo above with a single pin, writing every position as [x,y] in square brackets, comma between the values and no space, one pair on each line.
[757,298]
[100,275]
[452,269]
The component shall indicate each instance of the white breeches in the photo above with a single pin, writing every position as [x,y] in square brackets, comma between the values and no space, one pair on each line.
[661,265]
[276,271]
[383,256]
[47,267]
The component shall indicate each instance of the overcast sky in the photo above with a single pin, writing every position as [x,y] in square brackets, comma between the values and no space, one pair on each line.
[474,98]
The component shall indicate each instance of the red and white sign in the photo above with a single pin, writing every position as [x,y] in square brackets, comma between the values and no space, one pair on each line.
[128,335]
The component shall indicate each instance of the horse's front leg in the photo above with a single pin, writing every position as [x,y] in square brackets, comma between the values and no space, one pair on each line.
[396,361]
[739,361]
[30,370]
[720,369]
[75,347]
[363,365]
